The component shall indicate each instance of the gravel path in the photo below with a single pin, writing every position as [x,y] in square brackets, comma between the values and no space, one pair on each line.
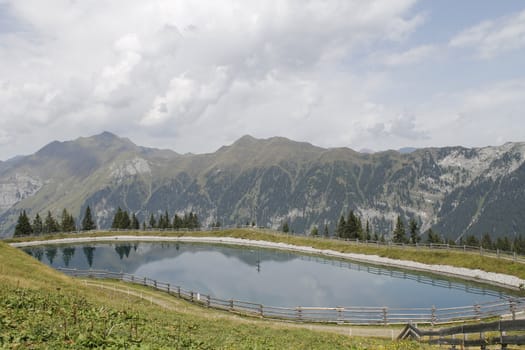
[493,278]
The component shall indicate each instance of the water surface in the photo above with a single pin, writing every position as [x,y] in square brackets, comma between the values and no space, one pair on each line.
[269,277]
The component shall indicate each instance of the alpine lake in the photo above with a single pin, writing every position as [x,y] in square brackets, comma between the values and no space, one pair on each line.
[268,276]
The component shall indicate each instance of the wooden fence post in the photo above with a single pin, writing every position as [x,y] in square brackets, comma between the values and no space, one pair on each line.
[168,288]
[231,304]
[385,316]
[145,281]
[512,307]
[207,301]
[191,296]
[433,318]
[261,312]
[178,291]
[477,311]
[299,313]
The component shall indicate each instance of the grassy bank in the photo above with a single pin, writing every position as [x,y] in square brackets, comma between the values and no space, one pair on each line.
[41,308]
[452,258]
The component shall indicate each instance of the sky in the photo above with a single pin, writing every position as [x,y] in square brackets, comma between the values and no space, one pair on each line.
[193,75]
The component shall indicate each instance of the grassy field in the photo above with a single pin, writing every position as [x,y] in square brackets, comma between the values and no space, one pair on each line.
[41,308]
[453,258]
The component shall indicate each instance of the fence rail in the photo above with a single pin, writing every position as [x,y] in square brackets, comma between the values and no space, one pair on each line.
[459,335]
[340,314]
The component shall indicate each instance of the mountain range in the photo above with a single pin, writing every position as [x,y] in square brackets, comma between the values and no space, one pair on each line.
[456,191]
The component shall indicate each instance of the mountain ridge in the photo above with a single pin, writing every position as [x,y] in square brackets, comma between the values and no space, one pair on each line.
[455,190]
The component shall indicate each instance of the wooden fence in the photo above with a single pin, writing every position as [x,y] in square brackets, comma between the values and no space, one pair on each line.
[480,334]
[403,274]
[341,315]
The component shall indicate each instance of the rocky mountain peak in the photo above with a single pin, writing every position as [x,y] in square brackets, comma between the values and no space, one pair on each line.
[454,190]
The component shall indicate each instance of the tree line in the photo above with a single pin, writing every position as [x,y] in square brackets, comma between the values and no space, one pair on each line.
[352,227]
[124,221]
[121,220]
[349,227]
[39,226]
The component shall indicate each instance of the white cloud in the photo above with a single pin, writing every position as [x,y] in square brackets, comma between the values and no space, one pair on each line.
[494,37]
[411,56]
[193,75]
[160,72]
[492,113]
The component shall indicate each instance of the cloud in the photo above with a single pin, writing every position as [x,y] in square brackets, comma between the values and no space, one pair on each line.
[411,56]
[494,37]
[492,112]
[194,75]
[162,72]
[4,138]
[402,127]
[186,99]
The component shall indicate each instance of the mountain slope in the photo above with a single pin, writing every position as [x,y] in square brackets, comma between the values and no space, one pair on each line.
[455,190]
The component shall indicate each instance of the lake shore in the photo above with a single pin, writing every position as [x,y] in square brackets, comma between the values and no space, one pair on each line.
[497,279]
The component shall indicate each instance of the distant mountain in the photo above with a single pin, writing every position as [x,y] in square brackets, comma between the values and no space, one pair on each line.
[454,190]
[407,150]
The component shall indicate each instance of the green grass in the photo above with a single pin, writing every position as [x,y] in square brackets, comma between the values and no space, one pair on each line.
[427,256]
[41,308]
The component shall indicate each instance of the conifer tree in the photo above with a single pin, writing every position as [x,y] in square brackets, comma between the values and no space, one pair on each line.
[117,219]
[472,241]
[164,221]
[50,224]
[326,234]
[152,221]
[399,231]
[67,222]
[135,225]
[359,226]
[341,227]
[352,224]
[414,231]
[367,236]
[88,223]
[486,241]
[503,243]
[314,231]
[38,226]
[177,222]
[286,228]
[433,237]
[125,221]
[23,226]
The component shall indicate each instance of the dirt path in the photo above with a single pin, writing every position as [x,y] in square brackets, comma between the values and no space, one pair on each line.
[174,304]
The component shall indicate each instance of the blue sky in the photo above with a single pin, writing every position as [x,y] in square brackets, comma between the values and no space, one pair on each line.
[194,75]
